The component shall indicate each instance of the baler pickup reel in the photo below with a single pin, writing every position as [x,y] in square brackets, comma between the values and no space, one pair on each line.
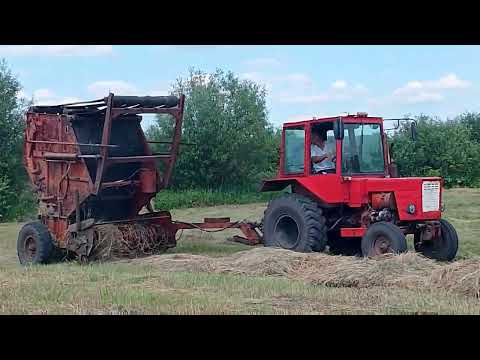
[95,172]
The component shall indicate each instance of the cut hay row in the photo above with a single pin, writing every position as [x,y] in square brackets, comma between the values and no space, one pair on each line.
[408,270]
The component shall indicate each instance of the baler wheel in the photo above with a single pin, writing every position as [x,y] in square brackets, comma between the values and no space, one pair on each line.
[382,238]
[296,223]
[442,249]
[34,244]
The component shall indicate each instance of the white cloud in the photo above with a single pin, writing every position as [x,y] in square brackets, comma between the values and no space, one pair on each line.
[43,94]
[159,93]
[423,91]
[287,97]
[118,87]
[300,88]
[48,97]
[339,90]
[297,79]
[263,62]
[339,84]
[423,97]
[428,90]
[55,50]
[259,78]
[297,82]
[450,81]
[303,117]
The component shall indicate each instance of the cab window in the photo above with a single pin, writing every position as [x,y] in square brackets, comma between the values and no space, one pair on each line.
[362,149]
[294,150]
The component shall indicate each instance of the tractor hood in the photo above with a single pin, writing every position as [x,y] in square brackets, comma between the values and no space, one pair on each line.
[424,193]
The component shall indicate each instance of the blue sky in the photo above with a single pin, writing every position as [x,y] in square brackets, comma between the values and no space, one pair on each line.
[302,81]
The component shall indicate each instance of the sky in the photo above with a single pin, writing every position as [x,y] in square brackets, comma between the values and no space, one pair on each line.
[301,81]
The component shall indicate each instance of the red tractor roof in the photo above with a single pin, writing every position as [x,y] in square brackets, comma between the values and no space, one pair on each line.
[362,117]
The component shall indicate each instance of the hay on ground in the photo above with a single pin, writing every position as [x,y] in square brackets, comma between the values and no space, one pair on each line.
[408,270]
[120,241]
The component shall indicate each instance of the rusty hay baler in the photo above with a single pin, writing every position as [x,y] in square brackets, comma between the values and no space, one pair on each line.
[91,166]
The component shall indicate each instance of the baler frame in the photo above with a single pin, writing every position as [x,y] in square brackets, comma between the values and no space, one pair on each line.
[56,162]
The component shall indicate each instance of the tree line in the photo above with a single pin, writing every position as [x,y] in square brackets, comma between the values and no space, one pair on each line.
[231,145]
[450,149]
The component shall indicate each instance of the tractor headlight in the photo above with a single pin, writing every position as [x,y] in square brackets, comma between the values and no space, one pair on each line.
[411,209]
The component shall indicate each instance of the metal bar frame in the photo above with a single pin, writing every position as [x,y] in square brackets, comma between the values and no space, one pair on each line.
[112,113]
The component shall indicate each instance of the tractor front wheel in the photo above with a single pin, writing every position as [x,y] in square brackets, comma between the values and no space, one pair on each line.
[34,244]
[296,223]
[382,238]
[443,248]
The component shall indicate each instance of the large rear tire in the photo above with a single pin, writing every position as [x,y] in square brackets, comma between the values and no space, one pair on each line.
[34,244]
[382,238]
[295,222]
[442,249]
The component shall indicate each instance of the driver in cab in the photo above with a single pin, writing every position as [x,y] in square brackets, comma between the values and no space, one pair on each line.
[323,158]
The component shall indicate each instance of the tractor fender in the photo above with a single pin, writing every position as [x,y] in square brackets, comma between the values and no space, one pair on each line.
[276,184]
[297,187]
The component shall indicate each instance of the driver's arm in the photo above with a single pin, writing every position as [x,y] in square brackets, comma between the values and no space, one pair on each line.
[317,159]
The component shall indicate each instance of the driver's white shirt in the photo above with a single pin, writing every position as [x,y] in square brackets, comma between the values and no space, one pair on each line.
[325,164]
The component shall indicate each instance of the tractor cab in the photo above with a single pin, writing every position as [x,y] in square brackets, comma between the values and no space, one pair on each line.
[353,145]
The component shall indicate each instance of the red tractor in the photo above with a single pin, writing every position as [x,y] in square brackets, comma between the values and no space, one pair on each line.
[353,200]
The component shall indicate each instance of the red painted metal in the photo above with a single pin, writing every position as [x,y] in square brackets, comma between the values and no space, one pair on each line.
[356,191]
[353,232]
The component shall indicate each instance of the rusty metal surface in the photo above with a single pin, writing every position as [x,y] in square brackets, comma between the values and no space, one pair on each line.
[60,164]
[94,174]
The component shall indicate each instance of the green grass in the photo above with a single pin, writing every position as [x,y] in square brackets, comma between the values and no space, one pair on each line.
[123,288]
[463,211]
[181,199]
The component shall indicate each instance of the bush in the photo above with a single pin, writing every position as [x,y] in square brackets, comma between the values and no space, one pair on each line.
[177,199]
[15,199]
[444,149]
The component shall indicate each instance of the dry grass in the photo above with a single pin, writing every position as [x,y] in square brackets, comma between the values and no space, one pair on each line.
[408,271]
[207,275]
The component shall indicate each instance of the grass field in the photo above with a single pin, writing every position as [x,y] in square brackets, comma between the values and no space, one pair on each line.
[123,288]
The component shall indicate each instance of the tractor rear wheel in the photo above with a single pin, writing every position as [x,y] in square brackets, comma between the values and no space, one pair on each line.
[295,222]
[382,238]
[34,244]
[444,248]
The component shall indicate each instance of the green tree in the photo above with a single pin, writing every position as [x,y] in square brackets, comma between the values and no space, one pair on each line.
[12,173]
[472,121]
[226,119]
[443,148]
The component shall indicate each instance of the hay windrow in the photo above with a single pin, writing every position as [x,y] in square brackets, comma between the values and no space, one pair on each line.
[127,241]
[408,270]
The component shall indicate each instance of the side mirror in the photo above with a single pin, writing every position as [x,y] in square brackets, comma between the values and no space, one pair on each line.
[338,129]
[413,129]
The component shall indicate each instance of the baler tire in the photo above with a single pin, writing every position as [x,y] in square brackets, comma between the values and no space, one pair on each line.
[449,247]
[34,244]
[383,233]
[310,228]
